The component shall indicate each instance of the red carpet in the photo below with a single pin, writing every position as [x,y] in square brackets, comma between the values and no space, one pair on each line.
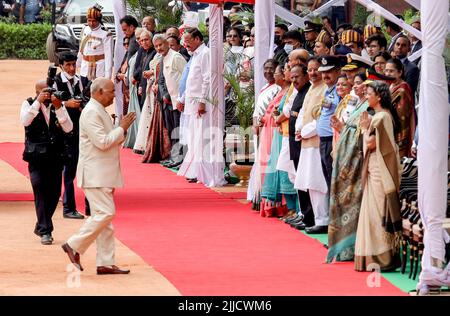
[16,197]
[234,195]
[208,244]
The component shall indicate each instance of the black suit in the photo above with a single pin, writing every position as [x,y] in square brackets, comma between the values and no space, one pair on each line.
[133,47]
[412,74]
[44,152]
[295,149]
[143,64]
[71,147]
[280,55]
[184,52]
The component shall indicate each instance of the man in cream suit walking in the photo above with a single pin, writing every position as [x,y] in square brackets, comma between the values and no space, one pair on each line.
[99,174]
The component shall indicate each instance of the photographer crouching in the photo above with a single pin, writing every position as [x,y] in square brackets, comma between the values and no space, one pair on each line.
[46,121]
[67,81]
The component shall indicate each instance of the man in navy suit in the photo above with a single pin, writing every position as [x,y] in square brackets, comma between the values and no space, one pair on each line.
[402,47]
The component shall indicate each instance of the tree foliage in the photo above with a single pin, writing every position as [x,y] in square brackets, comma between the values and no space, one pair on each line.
[159,9]
[23,41]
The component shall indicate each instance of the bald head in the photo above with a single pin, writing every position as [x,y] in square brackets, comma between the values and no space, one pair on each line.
[149,23]
[102,90]
[298,57]
[41,85]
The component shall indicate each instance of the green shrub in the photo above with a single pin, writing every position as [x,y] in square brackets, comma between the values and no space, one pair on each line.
[23,41]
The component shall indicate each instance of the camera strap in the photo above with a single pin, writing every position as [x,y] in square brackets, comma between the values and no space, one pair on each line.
[71,88]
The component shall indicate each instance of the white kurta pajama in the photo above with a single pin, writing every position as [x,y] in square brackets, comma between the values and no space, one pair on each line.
[197,91]
[309,176]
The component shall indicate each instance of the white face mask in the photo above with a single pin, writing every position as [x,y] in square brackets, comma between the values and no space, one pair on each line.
[69,77]
[288,48]
[236,49]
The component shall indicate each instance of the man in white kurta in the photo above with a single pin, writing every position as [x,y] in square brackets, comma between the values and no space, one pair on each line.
[95,57]
[309,175]
[99,174]
[196,104]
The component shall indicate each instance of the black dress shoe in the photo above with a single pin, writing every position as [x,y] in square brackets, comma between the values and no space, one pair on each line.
[174,164]
[299,226]
[291,219]
[46,239]
[317,230]
[73,215]
[296,221]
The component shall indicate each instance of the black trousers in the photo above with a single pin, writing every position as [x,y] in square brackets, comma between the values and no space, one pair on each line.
[326,146]
[69,174]
[46,178]
[172,121]
[303,197]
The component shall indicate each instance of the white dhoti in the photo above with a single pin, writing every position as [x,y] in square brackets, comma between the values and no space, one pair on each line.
[198,150]
[98,227]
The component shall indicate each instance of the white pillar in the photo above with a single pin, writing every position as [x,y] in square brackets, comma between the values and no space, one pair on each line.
[264,39]
[212,171]
[433,139]
[119,53]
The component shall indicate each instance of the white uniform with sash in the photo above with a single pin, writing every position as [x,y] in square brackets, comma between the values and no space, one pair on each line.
[95,57]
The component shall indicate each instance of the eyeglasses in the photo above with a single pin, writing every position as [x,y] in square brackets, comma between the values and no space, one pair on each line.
[232,36]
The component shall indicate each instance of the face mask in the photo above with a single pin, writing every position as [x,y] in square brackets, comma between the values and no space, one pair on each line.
[288,48]
[236,49]
[69,77]
[277,40]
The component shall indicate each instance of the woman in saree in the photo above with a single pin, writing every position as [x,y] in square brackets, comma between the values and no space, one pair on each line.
[158,139]
[343,89]
[265,97]
[403,102]
[346,187]
[276,183]
[147,110]
[379,226]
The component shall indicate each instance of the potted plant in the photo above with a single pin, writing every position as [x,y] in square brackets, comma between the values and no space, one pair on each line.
[243,97]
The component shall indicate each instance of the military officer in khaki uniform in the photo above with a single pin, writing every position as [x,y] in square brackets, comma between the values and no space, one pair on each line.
[95,57]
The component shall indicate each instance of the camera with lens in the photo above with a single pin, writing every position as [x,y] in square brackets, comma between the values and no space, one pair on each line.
[85,96]
[60,95]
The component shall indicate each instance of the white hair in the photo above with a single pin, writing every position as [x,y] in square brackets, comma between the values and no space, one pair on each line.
[159,37]
[138,31]
[98,84]
[146,32]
